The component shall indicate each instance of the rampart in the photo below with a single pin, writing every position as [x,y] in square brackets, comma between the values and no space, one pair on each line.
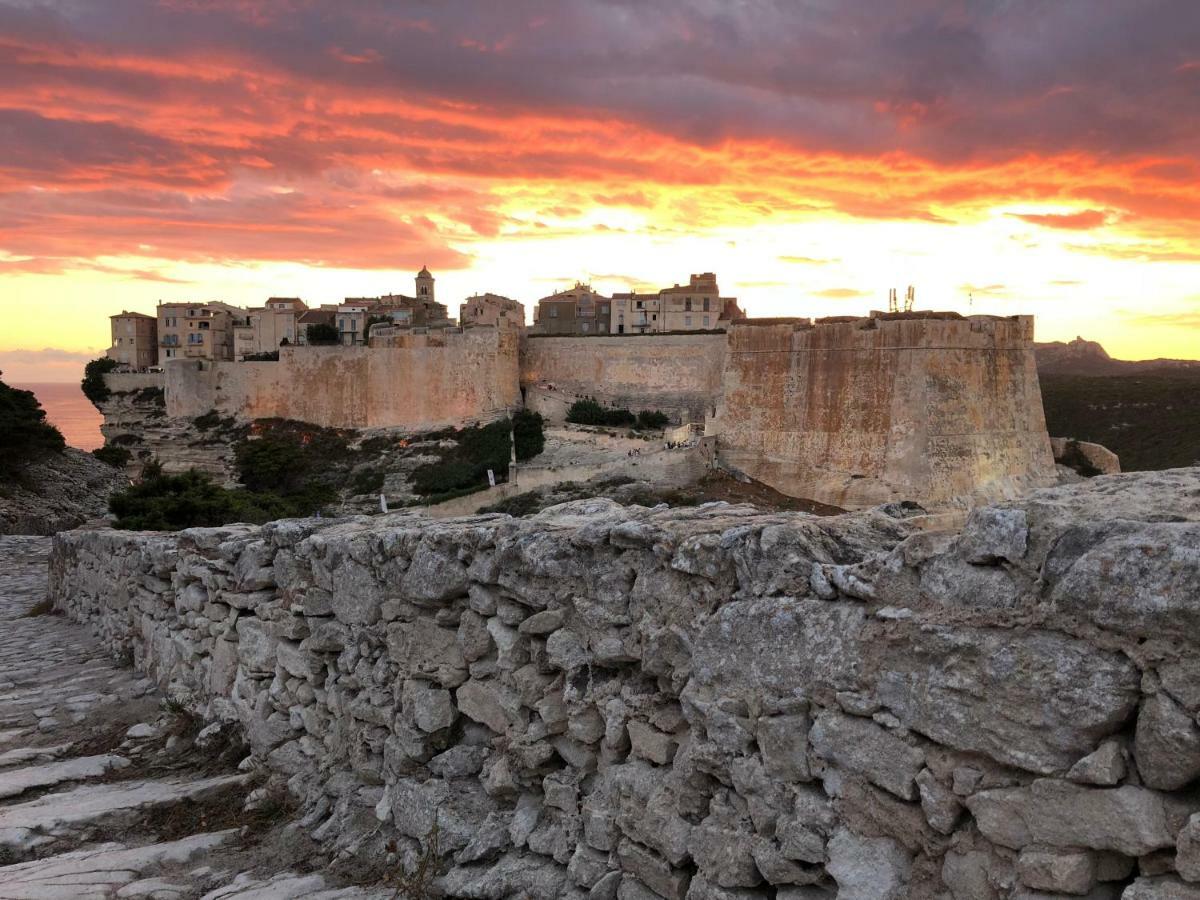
[933,407]
[679,374]
[712,703]
[417,381]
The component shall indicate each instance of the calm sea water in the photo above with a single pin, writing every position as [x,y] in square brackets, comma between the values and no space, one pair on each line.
[71,412]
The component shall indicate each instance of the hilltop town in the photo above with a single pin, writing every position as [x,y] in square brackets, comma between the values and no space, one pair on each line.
[847,411]
[215,330]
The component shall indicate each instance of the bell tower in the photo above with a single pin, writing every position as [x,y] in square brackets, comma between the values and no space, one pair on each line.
[425,285]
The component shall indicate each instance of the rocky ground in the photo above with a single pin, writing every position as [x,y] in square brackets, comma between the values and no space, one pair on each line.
[107,790]
[57,493]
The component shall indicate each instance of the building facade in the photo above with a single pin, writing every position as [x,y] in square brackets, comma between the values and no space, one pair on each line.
[197,330]
[134,340]
[695,306]
[491,309]
[267,328]
[577,310]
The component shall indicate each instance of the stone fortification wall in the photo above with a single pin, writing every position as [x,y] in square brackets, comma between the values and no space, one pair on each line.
[711,703]
[417,381]
[124,382]
[931,407]
[678,374]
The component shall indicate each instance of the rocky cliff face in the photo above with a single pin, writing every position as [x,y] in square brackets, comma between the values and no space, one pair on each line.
[61,491]
[137,420]
[713,703]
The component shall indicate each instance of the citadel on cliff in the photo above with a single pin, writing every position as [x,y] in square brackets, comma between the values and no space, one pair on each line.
[848,411]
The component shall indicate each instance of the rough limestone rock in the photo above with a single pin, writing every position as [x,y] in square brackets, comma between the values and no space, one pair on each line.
[1130,820]
[1166,744]
[59,492]
[710,703]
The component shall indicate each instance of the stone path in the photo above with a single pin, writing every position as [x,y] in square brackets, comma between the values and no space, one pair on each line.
[105,792]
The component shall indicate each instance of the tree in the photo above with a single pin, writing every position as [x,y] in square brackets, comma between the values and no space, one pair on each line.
[93,384]
[321,333]
[529,437]
[25,435]
[375,320]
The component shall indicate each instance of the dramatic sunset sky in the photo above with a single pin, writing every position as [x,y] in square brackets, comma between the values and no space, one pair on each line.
[1042,156]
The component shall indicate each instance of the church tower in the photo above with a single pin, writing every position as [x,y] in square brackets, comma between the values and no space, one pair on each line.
[425,285]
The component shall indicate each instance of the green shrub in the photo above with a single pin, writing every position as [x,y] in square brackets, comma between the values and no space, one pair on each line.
[93,384]
[528,434]
[273,462]
[652,419]
[173,502]
[25,435]
[367,481]
[115,456]
[321,333]
[589,412]
[518,505]
[466,464]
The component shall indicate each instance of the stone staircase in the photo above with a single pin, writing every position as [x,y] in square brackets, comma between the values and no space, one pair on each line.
[108,790]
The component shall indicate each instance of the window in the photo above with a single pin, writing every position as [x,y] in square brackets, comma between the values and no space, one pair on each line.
[706,321]
[341,324]
[554,312]
[687,304]
[585,327]
[170,354]
[204,326]
[687,321]
[195,338]
[706,301]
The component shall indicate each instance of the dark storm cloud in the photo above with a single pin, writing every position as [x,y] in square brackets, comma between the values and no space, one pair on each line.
[942,80]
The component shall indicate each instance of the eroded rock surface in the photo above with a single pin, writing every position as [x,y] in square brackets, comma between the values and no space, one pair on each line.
[604,701]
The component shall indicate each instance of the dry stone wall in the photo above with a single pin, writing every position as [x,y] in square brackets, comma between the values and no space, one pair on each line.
[709,703]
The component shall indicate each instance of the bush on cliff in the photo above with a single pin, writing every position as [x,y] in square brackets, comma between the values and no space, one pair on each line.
[114,455]
[466,464]
[286,455]
[652,419]
[589,412]
[25,435]
[174,502]
[529,436]
[93,384]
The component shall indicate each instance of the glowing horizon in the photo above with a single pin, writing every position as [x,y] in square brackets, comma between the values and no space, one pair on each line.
[813,158]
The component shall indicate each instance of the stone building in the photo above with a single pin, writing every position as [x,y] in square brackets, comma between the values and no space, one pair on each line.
[323,315]
[577,310]
[264,329]
[491,309]
[197,330]
[695,306]
[134,340]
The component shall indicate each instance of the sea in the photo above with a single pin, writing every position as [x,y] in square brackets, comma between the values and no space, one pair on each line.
[71,412]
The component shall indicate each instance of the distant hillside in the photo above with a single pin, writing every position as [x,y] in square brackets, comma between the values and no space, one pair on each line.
[1151,420]
[1080,357]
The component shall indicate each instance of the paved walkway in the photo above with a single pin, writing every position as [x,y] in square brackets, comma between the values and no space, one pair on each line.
[105,792]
